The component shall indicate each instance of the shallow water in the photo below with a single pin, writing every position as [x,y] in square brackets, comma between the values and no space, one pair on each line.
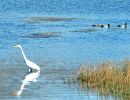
[58,36]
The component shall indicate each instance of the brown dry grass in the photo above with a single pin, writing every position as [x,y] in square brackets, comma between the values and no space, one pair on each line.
[107,78]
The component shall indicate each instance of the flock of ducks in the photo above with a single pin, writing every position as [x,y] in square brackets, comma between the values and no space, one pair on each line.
[109,25]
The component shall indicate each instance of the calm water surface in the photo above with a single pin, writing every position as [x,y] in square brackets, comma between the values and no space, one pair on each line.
[58,37]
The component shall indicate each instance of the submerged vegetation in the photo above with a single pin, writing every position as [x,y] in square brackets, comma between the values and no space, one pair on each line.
[85,30]
[40,19]
[107,78]
[42,35]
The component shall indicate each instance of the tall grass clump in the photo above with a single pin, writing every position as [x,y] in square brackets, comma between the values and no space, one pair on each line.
[107,78]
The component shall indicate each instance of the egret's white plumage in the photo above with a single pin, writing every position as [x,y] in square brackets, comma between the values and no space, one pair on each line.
[29,63]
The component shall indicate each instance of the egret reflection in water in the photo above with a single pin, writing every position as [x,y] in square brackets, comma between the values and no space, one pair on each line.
[29,78]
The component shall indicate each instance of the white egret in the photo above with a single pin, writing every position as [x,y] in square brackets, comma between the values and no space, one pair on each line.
[29,63]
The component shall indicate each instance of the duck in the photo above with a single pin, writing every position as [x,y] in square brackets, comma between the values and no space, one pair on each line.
[102,25]
[105,26]
[122,26]
[96,25]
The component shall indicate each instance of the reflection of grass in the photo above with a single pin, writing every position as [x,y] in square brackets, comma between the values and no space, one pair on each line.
[107,78]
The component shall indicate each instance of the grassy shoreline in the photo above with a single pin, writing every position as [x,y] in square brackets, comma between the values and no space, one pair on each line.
[107,78]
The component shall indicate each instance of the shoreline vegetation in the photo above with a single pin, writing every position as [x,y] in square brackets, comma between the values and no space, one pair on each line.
[107,78]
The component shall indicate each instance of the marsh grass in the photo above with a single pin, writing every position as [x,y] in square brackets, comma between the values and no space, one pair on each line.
[107,78]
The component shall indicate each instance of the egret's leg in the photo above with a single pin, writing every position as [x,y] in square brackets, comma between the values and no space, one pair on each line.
[30,70]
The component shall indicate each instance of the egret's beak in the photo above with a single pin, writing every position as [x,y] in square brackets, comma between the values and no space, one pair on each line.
[15,46]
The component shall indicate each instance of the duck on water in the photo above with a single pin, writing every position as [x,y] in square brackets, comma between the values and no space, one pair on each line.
[122,26]
[102,25]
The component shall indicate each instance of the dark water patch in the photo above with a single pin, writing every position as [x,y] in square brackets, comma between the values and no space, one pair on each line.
[66,76]
[86,30]
[118,29]
[10,80]
[42,35]
[47,19]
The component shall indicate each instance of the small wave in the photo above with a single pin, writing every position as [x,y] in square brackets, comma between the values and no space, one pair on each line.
[85,30]
[42,35]
[47,19]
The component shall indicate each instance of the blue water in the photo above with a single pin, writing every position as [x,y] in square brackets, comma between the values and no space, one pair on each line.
[76,43]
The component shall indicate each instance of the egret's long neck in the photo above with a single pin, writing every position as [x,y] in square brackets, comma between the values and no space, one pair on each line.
[25,58]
